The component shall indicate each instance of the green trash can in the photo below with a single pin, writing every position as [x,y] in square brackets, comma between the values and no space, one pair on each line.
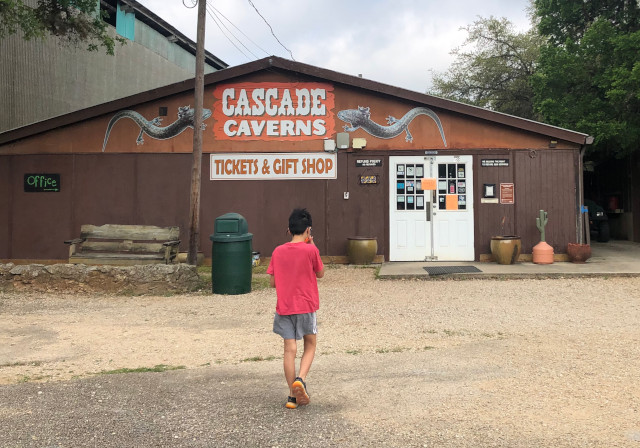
[231,255]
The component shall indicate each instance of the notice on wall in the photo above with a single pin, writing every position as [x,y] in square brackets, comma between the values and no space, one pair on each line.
[368,162]
[506,194]
[273,111]
[281,166]
[494,162]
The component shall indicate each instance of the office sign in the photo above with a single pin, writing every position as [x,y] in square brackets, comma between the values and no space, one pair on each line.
[42,183]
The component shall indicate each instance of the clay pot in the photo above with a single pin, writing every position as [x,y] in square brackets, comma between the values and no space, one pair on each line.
[578,253]
[542,253]
[506,249]
[361,249]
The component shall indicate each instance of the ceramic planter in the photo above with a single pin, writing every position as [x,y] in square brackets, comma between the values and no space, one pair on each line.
[506,249]
[578,253]
[361,250]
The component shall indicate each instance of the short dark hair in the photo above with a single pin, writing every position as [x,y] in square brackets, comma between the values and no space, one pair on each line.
[299,220]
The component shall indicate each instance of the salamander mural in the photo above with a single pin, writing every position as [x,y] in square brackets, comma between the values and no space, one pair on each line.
[185,120]
[360,118]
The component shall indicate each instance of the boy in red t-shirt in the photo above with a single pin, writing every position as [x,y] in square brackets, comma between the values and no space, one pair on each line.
[294,268]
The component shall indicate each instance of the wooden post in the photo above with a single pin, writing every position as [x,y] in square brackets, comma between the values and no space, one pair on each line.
[196,172]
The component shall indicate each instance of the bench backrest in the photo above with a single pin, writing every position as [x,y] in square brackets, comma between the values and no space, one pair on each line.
[129,232]
[127,238]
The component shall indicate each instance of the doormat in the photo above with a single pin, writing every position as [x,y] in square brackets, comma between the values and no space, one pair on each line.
[440,270]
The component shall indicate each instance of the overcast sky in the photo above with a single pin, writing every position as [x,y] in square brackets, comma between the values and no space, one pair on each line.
[398,42]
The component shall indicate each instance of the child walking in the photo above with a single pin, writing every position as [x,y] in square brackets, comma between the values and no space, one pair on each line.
[294,268]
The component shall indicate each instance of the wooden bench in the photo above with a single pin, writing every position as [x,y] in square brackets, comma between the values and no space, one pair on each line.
[124,245]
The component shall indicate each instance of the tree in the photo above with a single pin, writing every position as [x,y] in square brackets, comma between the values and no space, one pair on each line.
[73,21]
[588,76]
[493,68]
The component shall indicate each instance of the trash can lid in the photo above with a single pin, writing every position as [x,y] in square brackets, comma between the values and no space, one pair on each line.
[225,238]
[231,227]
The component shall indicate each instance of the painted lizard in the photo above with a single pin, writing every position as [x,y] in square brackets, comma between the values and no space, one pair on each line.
[151,128]
[360,118]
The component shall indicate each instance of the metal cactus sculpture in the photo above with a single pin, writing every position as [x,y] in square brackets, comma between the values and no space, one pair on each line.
[541,222]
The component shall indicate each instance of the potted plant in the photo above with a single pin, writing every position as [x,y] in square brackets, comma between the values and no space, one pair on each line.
[505,248]
[579,252]
[542,252]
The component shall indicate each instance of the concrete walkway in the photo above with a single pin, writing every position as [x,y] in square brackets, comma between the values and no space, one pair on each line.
[613,258]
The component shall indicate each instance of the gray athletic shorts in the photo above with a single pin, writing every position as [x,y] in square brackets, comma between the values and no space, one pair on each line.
[295,326]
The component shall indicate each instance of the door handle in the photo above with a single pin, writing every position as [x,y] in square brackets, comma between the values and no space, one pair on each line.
[428,212]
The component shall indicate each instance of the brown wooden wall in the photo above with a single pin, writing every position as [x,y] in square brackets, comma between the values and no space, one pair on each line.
[153,189]
[543,180]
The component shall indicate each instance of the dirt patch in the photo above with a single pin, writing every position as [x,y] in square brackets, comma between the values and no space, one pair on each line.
[501,363]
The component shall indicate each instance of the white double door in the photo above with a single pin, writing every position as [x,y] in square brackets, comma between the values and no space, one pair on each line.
[435,224]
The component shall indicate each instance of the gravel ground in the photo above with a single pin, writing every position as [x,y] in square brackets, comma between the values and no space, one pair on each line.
[446,363]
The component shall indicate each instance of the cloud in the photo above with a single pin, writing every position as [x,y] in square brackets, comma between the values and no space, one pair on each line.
[398,42]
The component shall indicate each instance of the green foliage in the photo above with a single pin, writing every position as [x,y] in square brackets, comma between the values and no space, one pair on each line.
[588,77]
[72,21]
[493,68]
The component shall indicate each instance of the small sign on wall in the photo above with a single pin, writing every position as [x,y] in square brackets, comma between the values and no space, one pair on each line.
[265,166]
[368,162]
[506,194]
[494,162]
[42,183]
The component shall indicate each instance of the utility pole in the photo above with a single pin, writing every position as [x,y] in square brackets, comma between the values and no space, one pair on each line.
[196,172]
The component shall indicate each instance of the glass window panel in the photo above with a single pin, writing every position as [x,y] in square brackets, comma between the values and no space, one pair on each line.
[410,171]
[400,170]
[451,171]
[420,171]
[442,170]
[400,203]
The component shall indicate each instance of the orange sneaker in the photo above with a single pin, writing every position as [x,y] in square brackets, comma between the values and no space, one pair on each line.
[299,389]
[291,403]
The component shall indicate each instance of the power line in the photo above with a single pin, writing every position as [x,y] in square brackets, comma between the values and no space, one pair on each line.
[250,40]
[272,32]
[232,42]
[216,19]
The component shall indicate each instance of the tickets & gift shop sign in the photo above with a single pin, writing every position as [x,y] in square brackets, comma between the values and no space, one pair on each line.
[273,111]
[279,166]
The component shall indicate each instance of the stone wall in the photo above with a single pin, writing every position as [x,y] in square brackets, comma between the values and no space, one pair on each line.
[143,279]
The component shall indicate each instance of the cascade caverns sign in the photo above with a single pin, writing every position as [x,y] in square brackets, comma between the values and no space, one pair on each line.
[273,111]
